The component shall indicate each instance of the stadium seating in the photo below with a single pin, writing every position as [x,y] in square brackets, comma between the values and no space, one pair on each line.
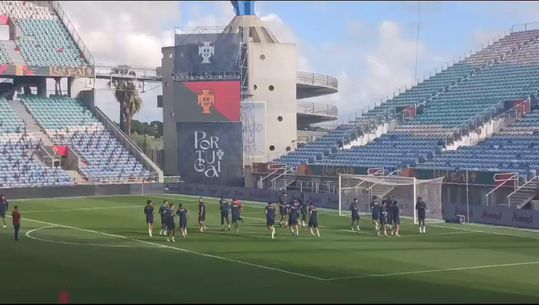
[48,43]
[60,114]
[389,151]
[4,56]
[27,10]
[9,121]
[513,149]
[43,40]
[18,168]
[471,89]
[67,121]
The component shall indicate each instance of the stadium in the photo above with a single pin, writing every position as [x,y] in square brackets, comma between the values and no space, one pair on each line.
[430,196]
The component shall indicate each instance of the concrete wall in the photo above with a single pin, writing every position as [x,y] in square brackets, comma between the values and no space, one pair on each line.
[275,65]
[76,85]
[169,123]
[82,190]
[269,65]
[372,135]
[496,215]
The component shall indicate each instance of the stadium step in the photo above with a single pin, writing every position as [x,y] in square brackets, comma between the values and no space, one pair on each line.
[32,126]
[15,55]
[79,179]
[523,196]
[381,190]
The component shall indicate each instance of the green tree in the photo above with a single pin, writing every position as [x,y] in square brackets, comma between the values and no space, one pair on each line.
[126,94]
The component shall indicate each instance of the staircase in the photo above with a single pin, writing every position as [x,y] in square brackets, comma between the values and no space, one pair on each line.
[16,57]
[76,176]
[32,127]
[524,194]
[381,190]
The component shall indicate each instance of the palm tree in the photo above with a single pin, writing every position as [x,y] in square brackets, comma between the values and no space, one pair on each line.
[125,92]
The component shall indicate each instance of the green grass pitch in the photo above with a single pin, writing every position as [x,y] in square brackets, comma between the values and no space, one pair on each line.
[100,250]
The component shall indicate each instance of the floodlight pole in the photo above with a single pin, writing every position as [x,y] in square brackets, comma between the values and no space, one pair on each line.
[340,196]
[467,199]
[415,200]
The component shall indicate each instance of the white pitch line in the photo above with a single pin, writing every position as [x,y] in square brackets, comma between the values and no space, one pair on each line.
[432,271]
[485,232]
[28,234]
[184,250]
[417,235]
[263,219]
[83,209]
[359,232]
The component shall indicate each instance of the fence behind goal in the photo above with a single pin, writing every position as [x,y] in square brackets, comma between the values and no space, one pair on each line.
[404,190]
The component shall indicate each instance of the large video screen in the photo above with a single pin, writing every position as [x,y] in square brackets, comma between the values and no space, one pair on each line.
[207,57]
[207,101]
[210,153]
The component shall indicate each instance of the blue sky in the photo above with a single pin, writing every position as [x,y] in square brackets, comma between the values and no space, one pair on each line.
[369,46]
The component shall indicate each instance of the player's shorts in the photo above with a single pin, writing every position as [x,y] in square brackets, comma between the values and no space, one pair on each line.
[149,220]
[183,224]
[421,216]
[355,217]
[313,223]
[163,222]
[2,214]
[270,221]
[171,225]
[292,221]
[283,212]
[383,220]
[397,220]
[235,218]
[375,216]
[202,218]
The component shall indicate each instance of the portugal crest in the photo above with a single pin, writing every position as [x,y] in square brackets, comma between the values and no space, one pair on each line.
[206,51]
[206,99]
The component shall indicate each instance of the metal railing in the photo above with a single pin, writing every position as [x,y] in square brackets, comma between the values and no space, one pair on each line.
[140,72]
[473,122]
[315,79]
[287,170]
[522,27]
[71,29]
[200,30]
[154,177]
[260,182]
[520,188]
[126,140]
[317,108]
[513,177]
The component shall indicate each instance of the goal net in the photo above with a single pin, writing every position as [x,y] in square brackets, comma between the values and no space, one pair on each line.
[405,190]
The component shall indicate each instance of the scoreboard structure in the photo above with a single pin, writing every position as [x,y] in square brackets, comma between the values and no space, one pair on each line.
[205,94]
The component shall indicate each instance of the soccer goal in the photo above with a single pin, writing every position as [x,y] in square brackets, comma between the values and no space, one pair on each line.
[403,189]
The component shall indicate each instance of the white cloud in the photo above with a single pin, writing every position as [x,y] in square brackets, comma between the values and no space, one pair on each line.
[201,17]
[368,72]
[123,32]
[482,38]
[370,63]
[286,34]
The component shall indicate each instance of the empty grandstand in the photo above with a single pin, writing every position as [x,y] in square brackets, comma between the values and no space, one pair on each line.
[61,138]
[434,113]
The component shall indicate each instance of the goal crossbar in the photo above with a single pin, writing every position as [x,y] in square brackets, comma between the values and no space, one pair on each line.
[405,190]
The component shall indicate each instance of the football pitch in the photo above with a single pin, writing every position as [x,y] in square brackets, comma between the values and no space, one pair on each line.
[99,250]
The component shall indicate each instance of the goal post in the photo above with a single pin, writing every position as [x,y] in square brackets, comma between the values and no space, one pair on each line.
[405,190]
